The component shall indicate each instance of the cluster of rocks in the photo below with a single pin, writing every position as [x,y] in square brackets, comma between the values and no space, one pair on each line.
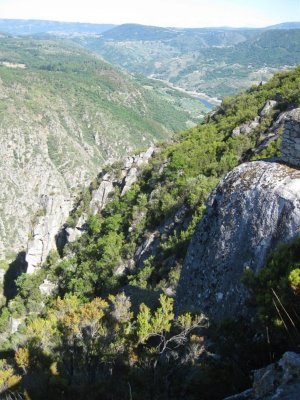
[129,172]
[280,380]
[247,128]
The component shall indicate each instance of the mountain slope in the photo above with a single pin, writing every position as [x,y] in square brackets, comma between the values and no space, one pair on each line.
[215,61]
[64,113]
[99,314]
[18,27]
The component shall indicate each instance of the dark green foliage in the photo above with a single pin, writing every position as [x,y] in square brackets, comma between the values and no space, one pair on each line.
[276,292]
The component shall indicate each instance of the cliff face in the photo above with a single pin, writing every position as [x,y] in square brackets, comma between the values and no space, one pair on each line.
[256,206]
[55,210]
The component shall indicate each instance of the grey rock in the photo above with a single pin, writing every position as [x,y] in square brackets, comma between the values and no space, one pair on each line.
[47,287]
[131,165]
[256,206]
[2,275]
[130,168]
[270,104]
[145,245]
[246,128]
[56,208]
[278,381]
[291,137]
[246,395]
[99,196]
[14,324]
[130,179]
[73,234]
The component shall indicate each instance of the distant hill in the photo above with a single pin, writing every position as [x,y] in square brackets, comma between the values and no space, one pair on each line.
[140,32]
[32,27]
[132,32]
[285,25]
[216,61]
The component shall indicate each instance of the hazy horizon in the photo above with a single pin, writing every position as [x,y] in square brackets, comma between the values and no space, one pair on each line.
[157,26]
[178,14]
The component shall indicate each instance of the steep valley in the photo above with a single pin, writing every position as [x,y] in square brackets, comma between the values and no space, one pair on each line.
[64,113]
[149,249]
[167,274]
[215,61]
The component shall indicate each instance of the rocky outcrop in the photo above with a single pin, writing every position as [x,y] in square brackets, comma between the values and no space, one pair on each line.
[247,128]
[54,210]
[291,138]
[100,196]
[269,105]
[122,179]
[256,206]
[280,381]
[130,168]
[129,173]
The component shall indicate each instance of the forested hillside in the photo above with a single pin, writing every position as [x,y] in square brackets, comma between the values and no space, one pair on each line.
[64,113]
[216,61]
[97,319]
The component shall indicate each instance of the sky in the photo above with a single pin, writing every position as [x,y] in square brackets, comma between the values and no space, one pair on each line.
[171,13]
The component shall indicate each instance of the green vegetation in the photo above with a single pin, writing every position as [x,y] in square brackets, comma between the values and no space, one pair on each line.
[107,329]
[77,92]
[64,113]
[276,293]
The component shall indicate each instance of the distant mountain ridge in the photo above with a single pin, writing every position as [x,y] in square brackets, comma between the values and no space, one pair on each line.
[33,27]
[216,61]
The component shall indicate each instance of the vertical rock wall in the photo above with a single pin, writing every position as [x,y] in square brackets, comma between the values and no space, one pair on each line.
[291,138]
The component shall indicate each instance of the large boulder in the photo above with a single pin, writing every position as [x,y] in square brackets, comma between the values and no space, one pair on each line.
[255,207]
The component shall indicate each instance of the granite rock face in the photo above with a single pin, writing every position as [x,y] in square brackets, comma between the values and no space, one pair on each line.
[245,129]
[100,196]
[255,207]
[269,105]
[54,210]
